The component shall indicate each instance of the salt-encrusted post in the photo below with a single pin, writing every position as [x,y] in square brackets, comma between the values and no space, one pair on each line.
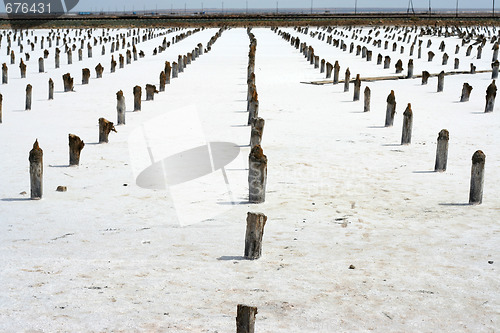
[12,58]
[491,93]
[367,99]
[399,66]
[85,75]
[36,171]
[105,127]
[253,236]
[150,91]
[98,70]
[407,125]
[477,178]
[5,70]
[257,129]
[22,67]
[357,88]
[336,69]
[410,69]
[28,97]
[257,175]
[41,67]
[494,72]
[113,64]
[391,109]
[347,79]
[425,77]
[245,319]
[329,69]
[137,98]
[253,106]
[175,70]
[68,82]
[466,90]
[168,71]
[163,80]
[120,107]
[442,151]
[75,147]
[440,82]
[51,89]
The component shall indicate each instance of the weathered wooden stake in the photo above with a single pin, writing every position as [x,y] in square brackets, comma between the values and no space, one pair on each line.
[491,93]
[36,171]
[150,91]
[367,99]
[28,97]
[357,88]
[163,80]
[254,233]
[336,70]
[387,62]
[85,75]
[257,175]
[466,90]
[51,89]
[113,64]
[391,109]
[253,106]
[456,64]
[257,129]
[347,79]
[98,70]
[175,70]
[5,70]
[494,68]
[440,85]
[137,98]
[120,107]
[329,69]
[245,319]
[168,72]
[477,178]
[442,151]
[68,82]
[399,66]
[70,57]
[75,147]
[105,127]
[41,67]
[410,69]
[425,77]
[407,125]
[22,67]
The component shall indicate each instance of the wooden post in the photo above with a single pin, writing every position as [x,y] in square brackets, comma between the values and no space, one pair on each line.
[257,175]
[70,57]
[425,77]
[357,88]
[137,98]
[387,62]
[329,69]
[120,107]
[336,69]
[442,151]
[440,85]
[1,101]
[180,64]
[41,67]
[150,91]
[121,61]
[4,73]
[456,64]
[36,171]
[51,89]
[347,79]
[68,82]
[163,80]
[430,55]
[367,99]
[45,54]
[369,55]
[477,178]
[466,90]
[175,70]
[105,127]
[495,53]
[98,70]
[257,129]
[56,58]
[128,56]
[254,233]
[479,52]
[399,66]
[494,68]
[113,64]
[245,319]
[391,109]
[407,125]
[410,69]
[22,67]
[85,75]
[168,72]
[322,68]
[253,107]
[472,69]
[89,50]
[28,97]
[379,59]
[445,59]
[75,147]
[491,93]
[12,58]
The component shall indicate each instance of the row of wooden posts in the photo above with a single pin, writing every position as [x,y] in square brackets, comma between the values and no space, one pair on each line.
[477,173]
[105,127]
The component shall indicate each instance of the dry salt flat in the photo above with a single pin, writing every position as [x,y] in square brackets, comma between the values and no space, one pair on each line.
[125,250]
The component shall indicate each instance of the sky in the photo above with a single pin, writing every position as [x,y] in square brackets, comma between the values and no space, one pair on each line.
[128,5]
